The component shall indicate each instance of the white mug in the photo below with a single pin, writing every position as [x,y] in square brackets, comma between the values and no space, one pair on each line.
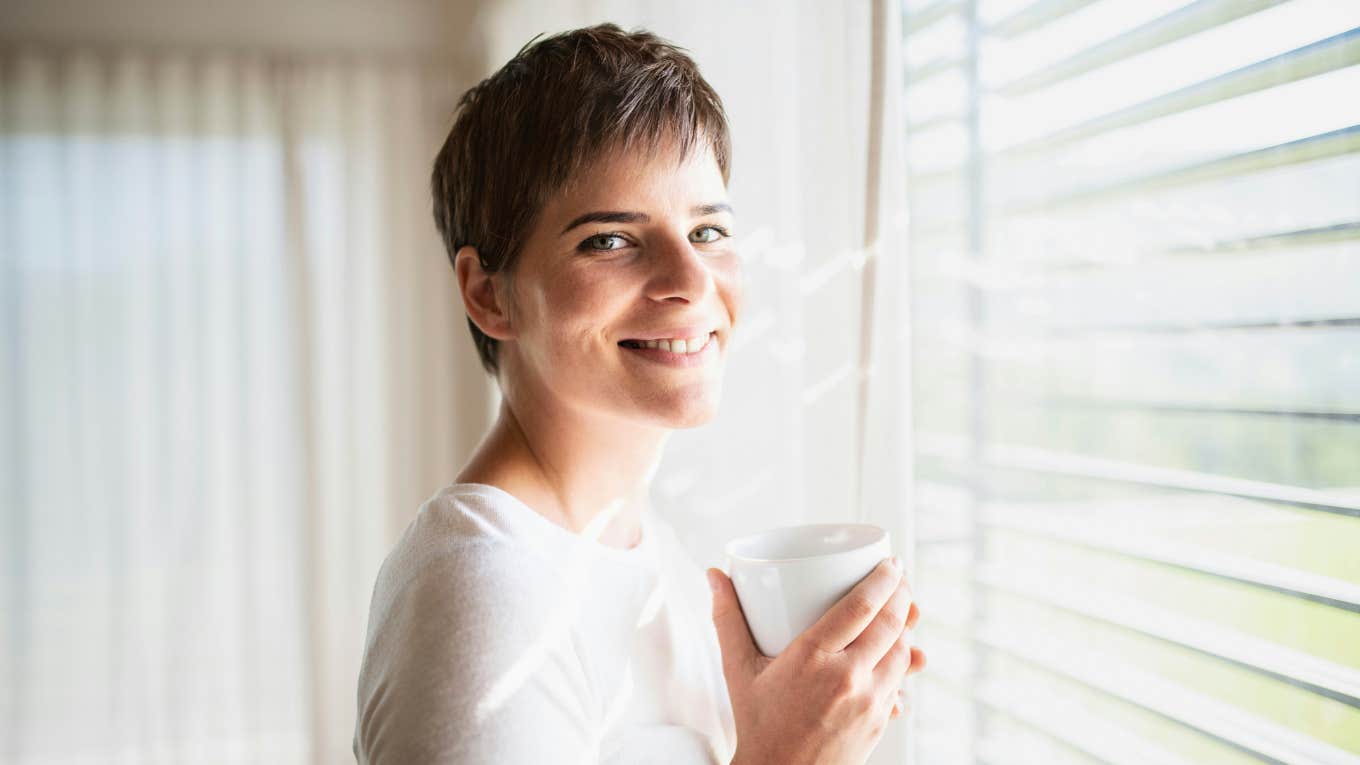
[787,578]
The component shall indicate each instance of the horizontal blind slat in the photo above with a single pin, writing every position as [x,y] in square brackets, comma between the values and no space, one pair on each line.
[1047,461]
[1336,52]
[1196,559]
[1333,143]
[1250,733]
[1033,16]
[1178,704]
[1296,668]
[1183,22]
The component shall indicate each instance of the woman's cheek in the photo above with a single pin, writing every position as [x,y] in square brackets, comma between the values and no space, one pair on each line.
[735,290]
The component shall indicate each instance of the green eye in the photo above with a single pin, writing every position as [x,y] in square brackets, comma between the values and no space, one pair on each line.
[714,234]
[605,242]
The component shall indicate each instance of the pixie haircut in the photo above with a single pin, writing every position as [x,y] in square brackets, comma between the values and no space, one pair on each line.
[524,133]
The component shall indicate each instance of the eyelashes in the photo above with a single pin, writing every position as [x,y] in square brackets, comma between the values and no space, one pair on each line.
[719,229]
[592,243]
[589,244]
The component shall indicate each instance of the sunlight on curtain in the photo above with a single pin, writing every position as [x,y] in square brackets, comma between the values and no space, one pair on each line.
[226,382]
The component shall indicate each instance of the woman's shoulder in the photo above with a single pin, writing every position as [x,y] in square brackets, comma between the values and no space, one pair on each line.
[463,557]
[459,656]
[462,535]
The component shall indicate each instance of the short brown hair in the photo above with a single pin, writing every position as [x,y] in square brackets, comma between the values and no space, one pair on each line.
[523,133]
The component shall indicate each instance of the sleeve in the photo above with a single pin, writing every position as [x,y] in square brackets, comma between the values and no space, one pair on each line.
[470,661]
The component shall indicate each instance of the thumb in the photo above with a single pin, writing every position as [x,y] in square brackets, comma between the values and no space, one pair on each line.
[734,637]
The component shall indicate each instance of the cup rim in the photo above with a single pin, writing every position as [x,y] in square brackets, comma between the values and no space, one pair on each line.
[878,537]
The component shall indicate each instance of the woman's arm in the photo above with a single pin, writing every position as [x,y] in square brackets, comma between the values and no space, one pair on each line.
[465,665]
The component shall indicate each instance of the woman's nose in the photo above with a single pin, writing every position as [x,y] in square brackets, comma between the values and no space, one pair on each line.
[678,272]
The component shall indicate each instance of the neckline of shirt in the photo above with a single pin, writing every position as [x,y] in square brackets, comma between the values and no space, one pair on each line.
[639,553]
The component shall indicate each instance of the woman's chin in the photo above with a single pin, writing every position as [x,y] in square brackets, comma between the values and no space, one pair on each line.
[693,418]
[688,412]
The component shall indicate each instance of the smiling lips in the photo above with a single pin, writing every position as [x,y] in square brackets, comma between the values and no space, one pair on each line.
[678,345]
[686,352]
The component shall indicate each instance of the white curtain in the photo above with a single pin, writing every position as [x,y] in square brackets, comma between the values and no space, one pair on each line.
[228,376]
[232,363]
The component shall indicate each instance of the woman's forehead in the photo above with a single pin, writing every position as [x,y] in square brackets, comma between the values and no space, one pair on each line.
[638,176]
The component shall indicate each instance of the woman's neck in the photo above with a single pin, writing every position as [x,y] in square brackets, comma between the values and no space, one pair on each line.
[588,474]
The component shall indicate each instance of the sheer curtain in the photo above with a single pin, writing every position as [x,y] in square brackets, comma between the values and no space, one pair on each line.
[228,375]
[232,367]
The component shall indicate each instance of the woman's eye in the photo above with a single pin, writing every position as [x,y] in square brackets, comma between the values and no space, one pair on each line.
[605,242]
[707,235]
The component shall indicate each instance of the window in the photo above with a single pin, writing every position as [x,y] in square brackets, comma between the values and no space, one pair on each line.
[1135,238]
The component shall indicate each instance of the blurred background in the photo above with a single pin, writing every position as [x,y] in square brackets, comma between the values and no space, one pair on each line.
[1065,293]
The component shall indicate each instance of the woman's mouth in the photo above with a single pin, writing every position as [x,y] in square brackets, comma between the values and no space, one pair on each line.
[677,352]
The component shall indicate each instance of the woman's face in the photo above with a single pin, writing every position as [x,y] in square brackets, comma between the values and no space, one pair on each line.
[637,252]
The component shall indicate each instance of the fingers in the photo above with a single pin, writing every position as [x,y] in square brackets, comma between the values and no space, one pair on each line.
[893,666]
[734,637]
[916,664]
[851,614]
[918,661]
[878,637]
[899,706]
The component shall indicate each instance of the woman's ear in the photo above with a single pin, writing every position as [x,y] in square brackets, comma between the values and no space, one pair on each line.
[484,304]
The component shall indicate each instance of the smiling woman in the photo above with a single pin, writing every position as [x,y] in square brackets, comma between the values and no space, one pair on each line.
[537,610]
[636,249]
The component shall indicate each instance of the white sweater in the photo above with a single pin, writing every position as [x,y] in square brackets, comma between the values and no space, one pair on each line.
[497,636]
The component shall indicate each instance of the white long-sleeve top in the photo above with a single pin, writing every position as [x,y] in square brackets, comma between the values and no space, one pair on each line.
[497,636]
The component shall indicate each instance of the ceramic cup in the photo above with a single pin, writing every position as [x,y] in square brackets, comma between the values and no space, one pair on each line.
[787,578]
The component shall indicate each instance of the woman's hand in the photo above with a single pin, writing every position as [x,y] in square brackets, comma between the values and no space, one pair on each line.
[827,697]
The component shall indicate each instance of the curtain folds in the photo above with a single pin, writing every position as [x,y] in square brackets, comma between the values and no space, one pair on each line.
[230,350]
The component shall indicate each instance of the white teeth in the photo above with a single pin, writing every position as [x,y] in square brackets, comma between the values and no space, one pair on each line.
[680,345]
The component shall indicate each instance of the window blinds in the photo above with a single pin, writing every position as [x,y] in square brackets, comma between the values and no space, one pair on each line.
[1135,246]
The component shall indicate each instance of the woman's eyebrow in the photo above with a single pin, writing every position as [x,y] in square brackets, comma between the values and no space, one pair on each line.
[607,216]
[617,216]
[710,209]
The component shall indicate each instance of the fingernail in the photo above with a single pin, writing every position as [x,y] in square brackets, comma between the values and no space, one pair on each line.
[897,564]
[712,580]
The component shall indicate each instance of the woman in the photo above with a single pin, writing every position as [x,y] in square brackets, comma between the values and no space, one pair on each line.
[536,611]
